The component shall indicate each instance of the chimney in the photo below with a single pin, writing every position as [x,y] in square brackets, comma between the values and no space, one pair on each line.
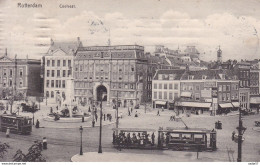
[5,51]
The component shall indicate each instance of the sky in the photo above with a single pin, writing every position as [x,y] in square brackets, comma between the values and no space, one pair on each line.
[233,25]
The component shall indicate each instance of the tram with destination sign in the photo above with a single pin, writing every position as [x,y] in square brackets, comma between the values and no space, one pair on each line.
[16,124]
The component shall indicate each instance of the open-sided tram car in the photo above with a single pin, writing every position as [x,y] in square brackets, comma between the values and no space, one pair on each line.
[17,124]
[133,138]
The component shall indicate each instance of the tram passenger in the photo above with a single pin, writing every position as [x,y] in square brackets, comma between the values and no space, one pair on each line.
[153,136]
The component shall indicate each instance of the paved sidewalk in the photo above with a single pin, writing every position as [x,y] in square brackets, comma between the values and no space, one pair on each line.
[164,156]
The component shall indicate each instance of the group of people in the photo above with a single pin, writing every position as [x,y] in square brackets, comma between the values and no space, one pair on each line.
[126,140]
[42,145]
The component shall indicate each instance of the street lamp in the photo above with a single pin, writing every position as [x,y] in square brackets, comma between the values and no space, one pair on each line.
[241,131]
[81,130]
[100,128]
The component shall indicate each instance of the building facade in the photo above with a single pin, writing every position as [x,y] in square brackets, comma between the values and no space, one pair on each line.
[19,77]
[58,64]
[111,70]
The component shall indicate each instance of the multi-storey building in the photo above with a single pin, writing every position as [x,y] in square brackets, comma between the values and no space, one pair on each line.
[58,64]
[206,89]
[254,89]
[19,77]
[114,70]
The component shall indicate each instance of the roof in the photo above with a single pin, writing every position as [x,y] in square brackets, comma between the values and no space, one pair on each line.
[67,47]
[177,73]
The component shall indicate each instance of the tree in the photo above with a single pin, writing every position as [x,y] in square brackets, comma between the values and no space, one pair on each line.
[34,154]
[3,149]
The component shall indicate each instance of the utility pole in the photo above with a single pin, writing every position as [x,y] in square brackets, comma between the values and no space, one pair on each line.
[117,112]
[239,152]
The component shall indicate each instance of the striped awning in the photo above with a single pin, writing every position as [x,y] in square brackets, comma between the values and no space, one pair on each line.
[226,105]
[255,100]
[236,104]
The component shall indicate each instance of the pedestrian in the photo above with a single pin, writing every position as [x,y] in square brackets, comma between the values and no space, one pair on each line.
[93,123]
[40,145]
[233,135]
[131,109]
[129,113]
[89,109]
[7,134]
[136,115]
[104,117]
[57,108]
[37,125]
[51,110]
[158,113]
[114,137]
[153,136]
[96,116]
[162,109]
[44,142]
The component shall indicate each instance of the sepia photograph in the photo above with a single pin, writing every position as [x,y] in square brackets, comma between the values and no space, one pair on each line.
[129,81]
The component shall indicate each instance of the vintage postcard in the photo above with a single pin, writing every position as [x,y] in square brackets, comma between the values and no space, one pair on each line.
[129,81]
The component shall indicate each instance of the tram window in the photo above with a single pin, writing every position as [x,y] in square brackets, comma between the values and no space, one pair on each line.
[186,136]
[198,137]
[175,136]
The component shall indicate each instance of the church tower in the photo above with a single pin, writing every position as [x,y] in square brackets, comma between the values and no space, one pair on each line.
[219,55]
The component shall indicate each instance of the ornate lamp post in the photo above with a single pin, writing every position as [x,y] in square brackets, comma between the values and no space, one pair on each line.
[81,130]
[100,128]
[241,131]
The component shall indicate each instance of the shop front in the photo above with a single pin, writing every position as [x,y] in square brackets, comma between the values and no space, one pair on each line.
[224,108]
[255,103]
[194,107]
[160,104]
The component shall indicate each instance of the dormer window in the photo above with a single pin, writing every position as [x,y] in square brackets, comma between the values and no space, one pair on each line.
[160,76]
[204,77]
[222,76]
[190,77]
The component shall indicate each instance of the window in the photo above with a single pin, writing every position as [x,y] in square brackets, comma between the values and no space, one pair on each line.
[165,86]
[220,88]
[170,86]
[69,63]
[47,83]
[165,95]
[48,62]
[21,83]
[160,86]
[160,77]
[81,68]
[69,72]
[131,86]
[120,77]
[197,87]
[220,97]
[224,88]
[52,94]
[154,86]
[52,83]
[63,73]
[132,68]
[228,96]
[48,73]
[58,73]
[10,82]
[197,96]
[175,86]
[170,95]
[228,87]
[160,95]
[11,72]
[52,73]
[57,83]
[204,77]
[47,94]
[58,62]
[224,96]
[175,95]
[53,62]
[64,62]
[63,84]
[190,77]
[126,86]
[191,87]
[4,82]
[154,95]
[171,77]
[21,72]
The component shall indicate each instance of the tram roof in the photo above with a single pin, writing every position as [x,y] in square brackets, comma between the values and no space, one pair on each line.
[186,130]
[134,129]
[13,116]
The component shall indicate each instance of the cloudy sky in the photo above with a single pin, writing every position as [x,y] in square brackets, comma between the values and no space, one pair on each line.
[234,25]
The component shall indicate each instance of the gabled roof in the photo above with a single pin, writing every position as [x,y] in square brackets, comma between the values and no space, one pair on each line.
[177,73]
[68,47]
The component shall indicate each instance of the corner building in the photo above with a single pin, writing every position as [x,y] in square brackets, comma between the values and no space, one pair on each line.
[112,70]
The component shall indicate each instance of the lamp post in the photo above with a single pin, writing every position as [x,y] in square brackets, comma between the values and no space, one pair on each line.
[241,131]
[80,130]
[100,128]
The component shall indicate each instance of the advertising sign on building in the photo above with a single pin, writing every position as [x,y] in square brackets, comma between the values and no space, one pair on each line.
[210,84]
[214,92]
[206,93]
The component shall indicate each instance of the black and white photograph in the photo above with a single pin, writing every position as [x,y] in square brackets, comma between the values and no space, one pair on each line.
[129,81]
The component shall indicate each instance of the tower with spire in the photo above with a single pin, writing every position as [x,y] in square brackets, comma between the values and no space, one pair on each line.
[219,55]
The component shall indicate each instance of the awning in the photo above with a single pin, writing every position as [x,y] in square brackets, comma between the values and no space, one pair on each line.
[226,105]
[255,100]
[236,104]
[185,94]
[160,102]
[196,104]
